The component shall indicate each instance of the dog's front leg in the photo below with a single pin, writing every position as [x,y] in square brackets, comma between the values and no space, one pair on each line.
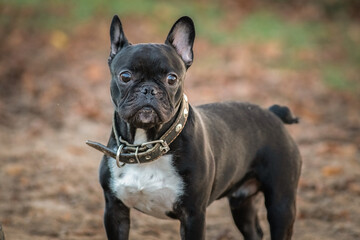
[116,218]
[193,226]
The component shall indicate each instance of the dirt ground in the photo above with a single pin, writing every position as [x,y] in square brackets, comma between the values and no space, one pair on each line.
[58,97]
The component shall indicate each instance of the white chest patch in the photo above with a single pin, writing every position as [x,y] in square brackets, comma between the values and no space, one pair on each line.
[152,187]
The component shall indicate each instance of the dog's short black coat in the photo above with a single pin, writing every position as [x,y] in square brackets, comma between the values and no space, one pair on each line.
[232,149]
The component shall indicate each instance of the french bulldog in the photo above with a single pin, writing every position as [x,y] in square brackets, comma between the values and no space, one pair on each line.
[173,160]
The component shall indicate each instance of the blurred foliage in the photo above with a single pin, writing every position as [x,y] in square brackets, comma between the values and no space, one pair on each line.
[266,26]
[338,8]
[331,9]
[325,34]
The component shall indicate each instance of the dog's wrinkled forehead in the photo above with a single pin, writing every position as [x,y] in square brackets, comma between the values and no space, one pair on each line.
[148,58]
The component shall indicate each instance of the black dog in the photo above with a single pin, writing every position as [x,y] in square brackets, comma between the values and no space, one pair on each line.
[171,160]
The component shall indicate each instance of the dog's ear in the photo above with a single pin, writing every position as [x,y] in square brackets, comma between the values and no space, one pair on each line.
[117,37]
[181,37]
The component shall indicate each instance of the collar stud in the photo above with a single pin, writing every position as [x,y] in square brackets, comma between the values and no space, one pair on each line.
[178,127]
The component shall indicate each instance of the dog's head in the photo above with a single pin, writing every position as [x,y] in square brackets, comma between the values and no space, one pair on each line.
[147,79]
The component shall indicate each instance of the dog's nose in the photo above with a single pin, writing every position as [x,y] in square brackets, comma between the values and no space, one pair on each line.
[148,90]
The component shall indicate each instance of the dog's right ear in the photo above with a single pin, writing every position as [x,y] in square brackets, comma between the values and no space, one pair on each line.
[117,37]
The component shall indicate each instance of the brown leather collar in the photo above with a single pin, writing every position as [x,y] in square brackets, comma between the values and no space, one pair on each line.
[148,151]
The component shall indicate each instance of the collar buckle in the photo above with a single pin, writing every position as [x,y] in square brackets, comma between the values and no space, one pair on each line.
[165,147]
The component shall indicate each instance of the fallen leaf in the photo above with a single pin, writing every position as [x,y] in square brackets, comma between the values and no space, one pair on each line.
[329,171]
[14,170]
[58,39]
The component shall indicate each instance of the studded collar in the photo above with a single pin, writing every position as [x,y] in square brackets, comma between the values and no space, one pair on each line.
[128,153]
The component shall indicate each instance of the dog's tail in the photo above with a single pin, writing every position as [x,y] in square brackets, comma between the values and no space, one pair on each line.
[284,114]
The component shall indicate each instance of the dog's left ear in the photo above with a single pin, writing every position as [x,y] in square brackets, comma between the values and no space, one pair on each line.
[181,37]
[117,37]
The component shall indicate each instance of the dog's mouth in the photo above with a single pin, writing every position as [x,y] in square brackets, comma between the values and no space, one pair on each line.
[147,115]
[145,118]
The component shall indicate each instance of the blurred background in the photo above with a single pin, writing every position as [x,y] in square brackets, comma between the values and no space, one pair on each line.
[54,95]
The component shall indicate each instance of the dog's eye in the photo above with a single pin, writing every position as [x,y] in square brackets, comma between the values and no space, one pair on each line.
[171,79]
[125,76]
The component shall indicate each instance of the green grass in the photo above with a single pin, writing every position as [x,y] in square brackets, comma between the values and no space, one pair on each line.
[293,37]
[265,26]
[336,77]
